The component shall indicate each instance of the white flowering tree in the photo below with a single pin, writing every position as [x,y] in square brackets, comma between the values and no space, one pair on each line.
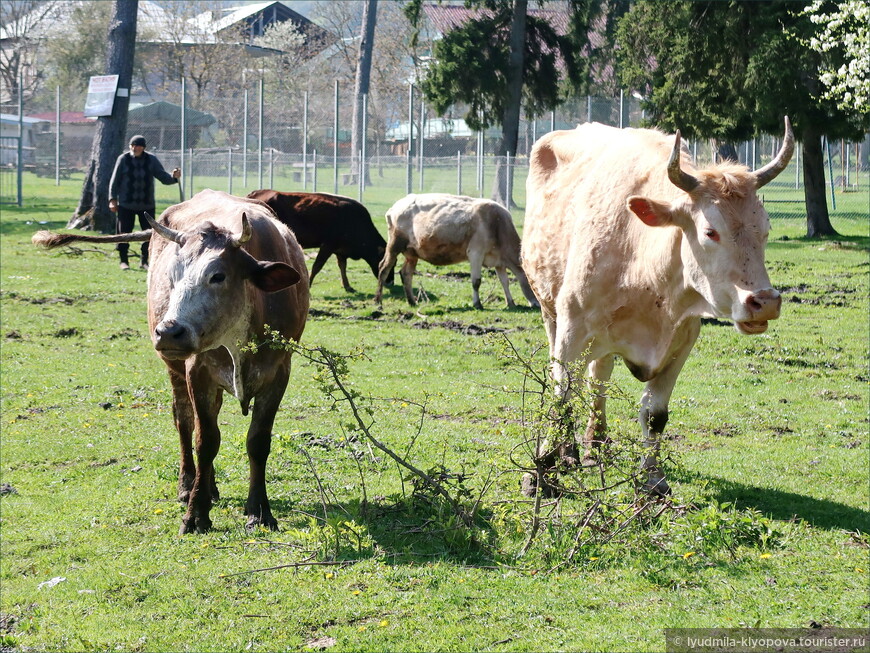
[843,41]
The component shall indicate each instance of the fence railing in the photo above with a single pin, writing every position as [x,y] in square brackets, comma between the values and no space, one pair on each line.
[249,141]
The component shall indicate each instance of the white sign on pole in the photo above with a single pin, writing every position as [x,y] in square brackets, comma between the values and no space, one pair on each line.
[101,95]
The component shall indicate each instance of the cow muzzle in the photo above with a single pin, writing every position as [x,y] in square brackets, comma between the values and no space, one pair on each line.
[761,307]
[173,340]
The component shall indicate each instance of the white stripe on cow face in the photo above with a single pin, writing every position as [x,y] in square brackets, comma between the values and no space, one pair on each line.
[207,305]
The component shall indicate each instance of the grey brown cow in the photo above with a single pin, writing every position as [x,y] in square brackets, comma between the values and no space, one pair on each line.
[443,229]
[627,246]
[221,268]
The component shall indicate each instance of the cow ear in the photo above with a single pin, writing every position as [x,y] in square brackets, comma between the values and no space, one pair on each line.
[650,212]
[271,277]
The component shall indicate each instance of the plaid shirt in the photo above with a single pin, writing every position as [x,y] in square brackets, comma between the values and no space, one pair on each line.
[132,181]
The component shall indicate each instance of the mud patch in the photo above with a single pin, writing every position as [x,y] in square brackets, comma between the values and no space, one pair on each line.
[316,312]
[459,327]
[126,334]
[39,301]
[66,333]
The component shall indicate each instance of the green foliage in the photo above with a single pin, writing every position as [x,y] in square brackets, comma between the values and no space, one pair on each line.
[843,42]
[470,65]
[727,69]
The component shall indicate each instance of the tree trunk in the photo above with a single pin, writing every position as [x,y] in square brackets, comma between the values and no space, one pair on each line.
[511,120]
[815,193]
[361,86]
[93,209]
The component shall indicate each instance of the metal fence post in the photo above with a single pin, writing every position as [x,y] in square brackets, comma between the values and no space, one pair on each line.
[362,156]
[408,171]
[314,171]
[20,149]
[57,136]
[508,181]
[459,172]
[182,145]
[305,142]
[335,142]
[260,142]
[230,170]
[421,141]
[245,141]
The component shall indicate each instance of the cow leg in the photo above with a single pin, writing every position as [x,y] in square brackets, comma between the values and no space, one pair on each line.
[599,372]
[567,349]
[407,274]
[654,412]
[342,268]
[323,255]
[207,400]
[182,413]
[475,258]
[503,277]
[259,444]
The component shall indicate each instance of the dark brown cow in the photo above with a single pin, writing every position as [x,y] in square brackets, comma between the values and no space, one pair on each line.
[627,247]
[336,224]
[221,268]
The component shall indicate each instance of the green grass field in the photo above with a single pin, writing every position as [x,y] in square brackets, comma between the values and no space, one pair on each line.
[768,441]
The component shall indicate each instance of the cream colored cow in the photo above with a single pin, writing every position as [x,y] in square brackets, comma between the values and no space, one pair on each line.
[627,246]
[444,229]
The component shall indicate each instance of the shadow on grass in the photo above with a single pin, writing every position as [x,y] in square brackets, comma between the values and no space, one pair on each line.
[408,529]
[859,243]
[784,506]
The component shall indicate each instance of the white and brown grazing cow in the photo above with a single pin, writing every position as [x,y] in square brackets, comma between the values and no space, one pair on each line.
[221,268]
[445,229]
[627,246]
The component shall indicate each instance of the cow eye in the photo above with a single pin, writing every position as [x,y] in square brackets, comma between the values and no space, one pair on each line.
[712,234]
[217,278]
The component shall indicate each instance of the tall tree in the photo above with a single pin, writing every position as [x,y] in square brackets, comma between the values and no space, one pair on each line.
[504,58]
[361,84]
[728,70]
[23,30]
[843,41]
[93,209]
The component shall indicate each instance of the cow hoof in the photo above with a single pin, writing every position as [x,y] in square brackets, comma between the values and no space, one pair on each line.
[183,496]
[254,522]
[198,525]
[656,485]
[529,487]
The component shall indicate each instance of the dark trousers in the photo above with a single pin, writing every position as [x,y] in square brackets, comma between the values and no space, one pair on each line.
[124,225]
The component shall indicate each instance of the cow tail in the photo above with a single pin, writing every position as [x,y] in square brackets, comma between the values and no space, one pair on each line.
[49,240]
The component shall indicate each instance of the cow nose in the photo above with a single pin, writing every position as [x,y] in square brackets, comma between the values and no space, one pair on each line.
[169,330]
[764,304]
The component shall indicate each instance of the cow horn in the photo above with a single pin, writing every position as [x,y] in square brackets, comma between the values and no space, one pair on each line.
[247,232]
[677,175]
[167,232]
[769,172]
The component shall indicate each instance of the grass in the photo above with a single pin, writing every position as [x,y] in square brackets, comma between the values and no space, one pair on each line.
[768,437]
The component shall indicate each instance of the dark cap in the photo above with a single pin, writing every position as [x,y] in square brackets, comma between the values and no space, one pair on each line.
[138,140]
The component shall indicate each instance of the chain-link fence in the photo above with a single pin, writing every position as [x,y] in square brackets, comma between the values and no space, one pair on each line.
[252,140]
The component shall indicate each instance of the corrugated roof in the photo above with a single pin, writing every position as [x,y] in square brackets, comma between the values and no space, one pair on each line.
[66,117]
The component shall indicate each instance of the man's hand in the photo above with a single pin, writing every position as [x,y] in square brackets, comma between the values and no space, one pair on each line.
[176,172]
[113,205]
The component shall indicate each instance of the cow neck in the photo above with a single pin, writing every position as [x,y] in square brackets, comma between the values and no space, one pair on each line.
[233,340]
